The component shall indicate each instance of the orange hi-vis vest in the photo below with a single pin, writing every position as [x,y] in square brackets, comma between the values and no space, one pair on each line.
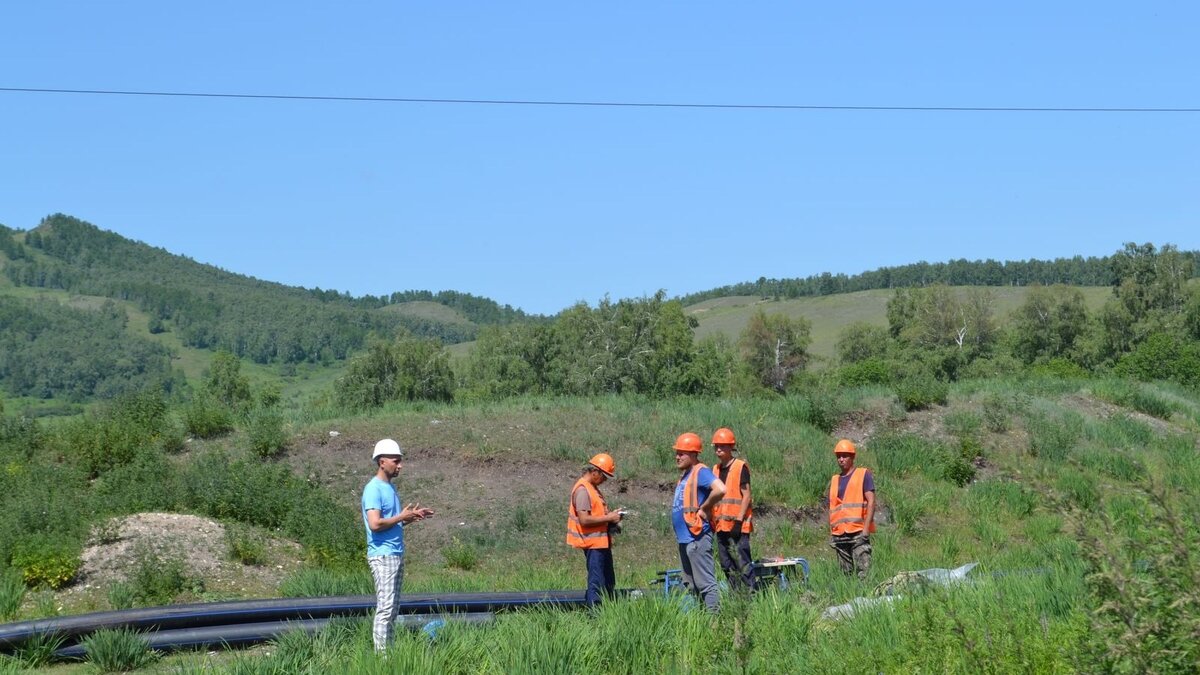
[691,501]
[728,509]
[591,536]
[848,514]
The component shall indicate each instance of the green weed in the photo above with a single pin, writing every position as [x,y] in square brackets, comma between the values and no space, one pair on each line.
[120,650]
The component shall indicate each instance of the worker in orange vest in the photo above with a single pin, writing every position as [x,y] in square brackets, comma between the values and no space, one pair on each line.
[851,511]
[589,525]
[732,518]
[696,495]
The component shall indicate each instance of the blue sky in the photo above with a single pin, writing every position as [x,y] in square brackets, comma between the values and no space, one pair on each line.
[540,207]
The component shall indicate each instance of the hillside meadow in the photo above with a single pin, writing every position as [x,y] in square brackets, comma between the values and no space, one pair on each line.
[1075,496]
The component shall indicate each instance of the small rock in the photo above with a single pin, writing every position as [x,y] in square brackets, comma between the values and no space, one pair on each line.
[334,434]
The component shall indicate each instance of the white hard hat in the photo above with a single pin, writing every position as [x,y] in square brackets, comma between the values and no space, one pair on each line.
[387,447]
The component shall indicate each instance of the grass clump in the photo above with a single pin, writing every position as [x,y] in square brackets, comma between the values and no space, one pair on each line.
[118,651]
[12,593]
[923,392]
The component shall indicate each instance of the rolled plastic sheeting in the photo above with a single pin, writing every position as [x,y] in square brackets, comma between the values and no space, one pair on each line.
[243,634]
[197,615]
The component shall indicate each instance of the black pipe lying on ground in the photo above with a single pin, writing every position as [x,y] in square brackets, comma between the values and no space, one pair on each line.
[244,634]
[201,615]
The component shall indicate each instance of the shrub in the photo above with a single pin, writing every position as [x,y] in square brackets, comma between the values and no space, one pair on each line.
[266,433]
[46,561]
[957,470]
[863,373]
[817,407]
[996,414]
[119,650]
[12,592]
[1144,596]
[1059,368]
[461,555]
[207,417]
[245,545]
[158,580]
[922,392]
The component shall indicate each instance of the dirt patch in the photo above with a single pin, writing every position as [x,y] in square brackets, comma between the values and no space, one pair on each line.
[464,487]
[118,544]
[862,424]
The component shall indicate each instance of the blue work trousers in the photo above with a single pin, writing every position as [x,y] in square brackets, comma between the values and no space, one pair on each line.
[601,580]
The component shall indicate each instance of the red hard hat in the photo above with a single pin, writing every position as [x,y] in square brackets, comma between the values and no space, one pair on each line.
[724,436]
[688,442]
[844,447]
[605,463]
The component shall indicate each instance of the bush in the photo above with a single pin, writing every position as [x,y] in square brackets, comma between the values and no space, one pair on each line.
[922,392]
[120,650]
[245,545]
[461,555]
[206,417]
[1163,356]
[266,433]
[158,580]
[46,561]
[817,407]
[1059,368]
[1144,595]
[863,373]
[957,470]
[996,414]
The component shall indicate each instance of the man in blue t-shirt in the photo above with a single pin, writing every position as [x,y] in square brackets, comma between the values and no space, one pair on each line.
[696,493]
[385,522]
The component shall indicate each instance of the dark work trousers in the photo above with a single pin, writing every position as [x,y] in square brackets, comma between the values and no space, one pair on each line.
[601,580]
[733,548]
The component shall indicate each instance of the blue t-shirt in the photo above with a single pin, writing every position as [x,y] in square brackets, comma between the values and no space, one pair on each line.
[381,495]
[704,483]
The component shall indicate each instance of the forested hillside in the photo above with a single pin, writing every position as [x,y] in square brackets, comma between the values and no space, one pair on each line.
[1075,271]
[54,350]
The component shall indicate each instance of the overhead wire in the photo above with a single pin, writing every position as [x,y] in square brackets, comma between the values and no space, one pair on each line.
[603,104]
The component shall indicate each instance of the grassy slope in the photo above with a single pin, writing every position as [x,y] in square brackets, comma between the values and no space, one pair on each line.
[830,314]
[433,311]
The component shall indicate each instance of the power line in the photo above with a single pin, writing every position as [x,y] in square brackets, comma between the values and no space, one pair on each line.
[596,104]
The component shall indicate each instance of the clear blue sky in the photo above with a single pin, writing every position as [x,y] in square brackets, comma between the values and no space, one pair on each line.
[540,207]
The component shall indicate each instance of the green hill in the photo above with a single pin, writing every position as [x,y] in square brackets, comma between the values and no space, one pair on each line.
[79,302]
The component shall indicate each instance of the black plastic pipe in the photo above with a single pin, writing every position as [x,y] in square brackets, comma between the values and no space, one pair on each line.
[198,615]
[240,635]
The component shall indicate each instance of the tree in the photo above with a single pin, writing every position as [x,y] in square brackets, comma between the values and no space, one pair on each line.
[408,368]
[861,341]
[225,381]
[1048,323]
[774,347]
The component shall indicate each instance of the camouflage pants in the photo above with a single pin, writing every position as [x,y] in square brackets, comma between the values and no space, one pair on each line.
[854,552]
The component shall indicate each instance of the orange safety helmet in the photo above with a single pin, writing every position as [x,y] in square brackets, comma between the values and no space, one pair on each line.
[604,462]
[844,447]
[689,442]
[724,436]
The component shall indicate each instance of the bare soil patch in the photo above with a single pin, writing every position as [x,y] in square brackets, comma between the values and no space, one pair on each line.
[117,545]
